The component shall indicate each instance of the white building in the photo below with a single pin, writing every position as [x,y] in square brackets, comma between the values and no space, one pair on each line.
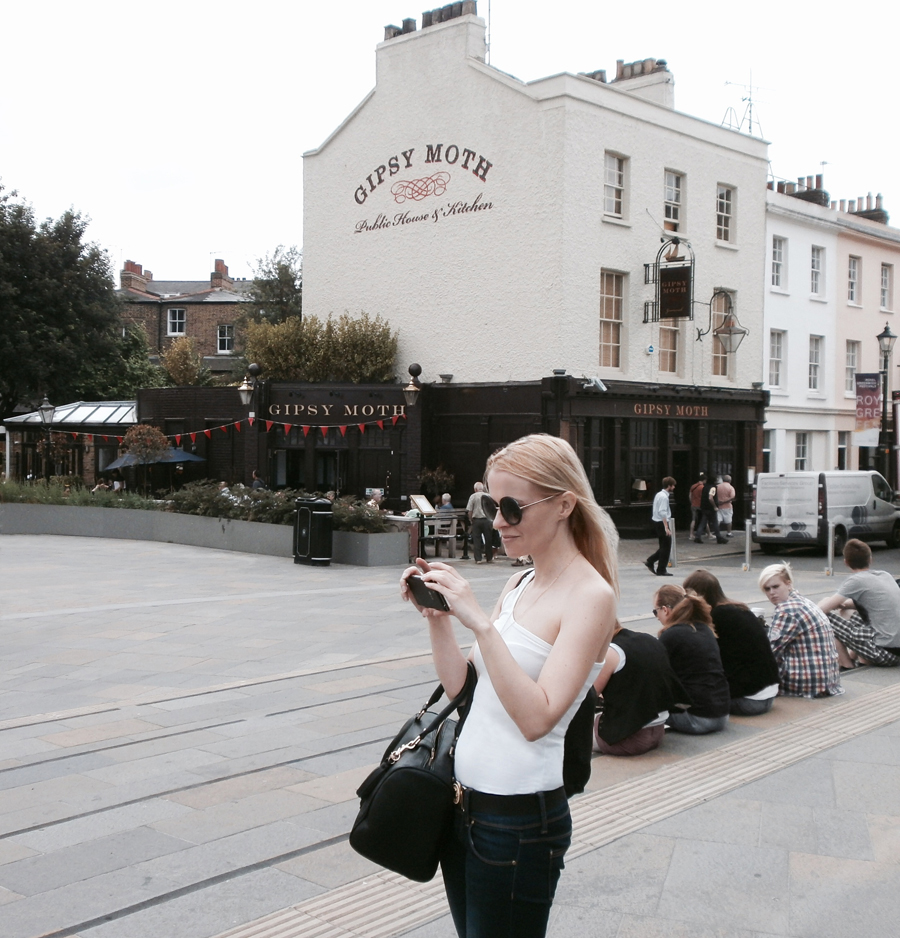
[829,292]
[503,227]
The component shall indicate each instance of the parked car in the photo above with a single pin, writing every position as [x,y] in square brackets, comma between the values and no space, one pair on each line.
[796,508]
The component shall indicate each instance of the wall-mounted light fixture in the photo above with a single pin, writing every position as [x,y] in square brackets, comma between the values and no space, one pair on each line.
[730,333]
[411,391]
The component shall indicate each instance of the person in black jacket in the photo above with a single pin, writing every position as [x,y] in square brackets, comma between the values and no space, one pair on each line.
[639,688]
[747,656]
[688,636]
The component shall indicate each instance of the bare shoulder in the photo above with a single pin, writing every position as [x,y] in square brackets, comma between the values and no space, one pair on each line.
[590,598]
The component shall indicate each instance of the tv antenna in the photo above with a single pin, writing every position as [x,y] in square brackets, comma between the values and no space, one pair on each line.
[747,121]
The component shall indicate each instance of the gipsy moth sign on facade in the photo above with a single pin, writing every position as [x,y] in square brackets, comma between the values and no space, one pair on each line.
[423,184]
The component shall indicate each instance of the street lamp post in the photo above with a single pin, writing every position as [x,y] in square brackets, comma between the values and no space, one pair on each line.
[47,410]
[886,340]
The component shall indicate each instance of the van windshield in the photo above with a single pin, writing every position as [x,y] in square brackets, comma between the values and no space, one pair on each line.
[882,489]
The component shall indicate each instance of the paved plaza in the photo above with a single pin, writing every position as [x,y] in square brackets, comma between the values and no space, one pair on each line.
[182,732]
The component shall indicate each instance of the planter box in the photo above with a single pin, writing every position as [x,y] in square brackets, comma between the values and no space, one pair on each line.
[275,540]
[371,550]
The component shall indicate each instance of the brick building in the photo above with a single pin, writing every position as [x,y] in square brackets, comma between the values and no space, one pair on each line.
[206,311]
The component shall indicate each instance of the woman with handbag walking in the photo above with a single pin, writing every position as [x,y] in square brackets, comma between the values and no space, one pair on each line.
[536,655]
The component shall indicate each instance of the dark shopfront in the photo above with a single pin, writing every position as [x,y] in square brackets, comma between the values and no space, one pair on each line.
[628,436]
[348,438]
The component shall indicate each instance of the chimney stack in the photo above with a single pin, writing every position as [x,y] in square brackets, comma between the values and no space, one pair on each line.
[219,278]
[133,277]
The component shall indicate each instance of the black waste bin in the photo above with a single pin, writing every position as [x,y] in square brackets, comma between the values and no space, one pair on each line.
[312,532]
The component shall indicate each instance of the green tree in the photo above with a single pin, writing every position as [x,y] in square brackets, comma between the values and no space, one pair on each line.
[184,365]
[346,349]
[277,291]
[59,314]
[119,377]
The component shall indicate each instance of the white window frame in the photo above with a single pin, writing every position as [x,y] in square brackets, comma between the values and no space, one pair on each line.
[176,324]
[668,347]
[779,267]
[851,365]
[817,270]
[814,380]
[801,451]
[612,306]
[614,180]
[725,199]
[673,201]
[225,339]
[720,362]
[853,265]
[887,287]
[776,357]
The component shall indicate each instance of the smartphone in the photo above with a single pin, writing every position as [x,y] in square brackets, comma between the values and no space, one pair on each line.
[425,595]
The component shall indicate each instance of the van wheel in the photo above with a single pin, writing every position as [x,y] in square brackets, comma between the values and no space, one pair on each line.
[894,539]
[840,539]
[769,549]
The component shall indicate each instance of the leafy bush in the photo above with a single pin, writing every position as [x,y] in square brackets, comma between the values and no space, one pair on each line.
[351,514]
[39,493]
[203,498]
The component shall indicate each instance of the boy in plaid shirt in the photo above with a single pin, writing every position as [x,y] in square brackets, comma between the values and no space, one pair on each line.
[801,637]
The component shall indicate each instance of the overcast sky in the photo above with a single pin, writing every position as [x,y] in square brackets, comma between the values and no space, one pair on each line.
[178,127]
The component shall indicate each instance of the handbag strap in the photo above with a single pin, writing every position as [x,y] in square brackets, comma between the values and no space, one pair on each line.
[458,701]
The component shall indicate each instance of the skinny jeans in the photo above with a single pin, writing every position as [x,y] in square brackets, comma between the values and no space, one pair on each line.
[500,871]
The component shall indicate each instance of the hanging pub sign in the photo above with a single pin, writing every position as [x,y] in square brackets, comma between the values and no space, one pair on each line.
[673,275]
[675,291]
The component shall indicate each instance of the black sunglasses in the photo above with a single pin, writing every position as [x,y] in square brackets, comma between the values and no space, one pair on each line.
[510,508]
[656,610]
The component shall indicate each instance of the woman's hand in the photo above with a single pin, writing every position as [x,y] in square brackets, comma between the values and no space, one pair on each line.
[422,568]
[455,588]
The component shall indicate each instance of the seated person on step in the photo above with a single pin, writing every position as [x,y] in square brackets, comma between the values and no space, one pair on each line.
[865,612]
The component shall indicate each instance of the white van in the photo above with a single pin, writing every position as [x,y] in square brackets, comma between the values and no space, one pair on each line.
[795,508]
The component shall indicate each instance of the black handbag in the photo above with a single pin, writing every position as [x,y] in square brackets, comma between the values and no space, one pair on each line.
[406,803]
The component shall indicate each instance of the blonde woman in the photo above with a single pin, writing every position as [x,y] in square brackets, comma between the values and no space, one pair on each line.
[536,653]
[801,637]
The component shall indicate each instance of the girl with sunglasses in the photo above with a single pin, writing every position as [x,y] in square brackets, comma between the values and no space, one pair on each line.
[690,639]
[536,654]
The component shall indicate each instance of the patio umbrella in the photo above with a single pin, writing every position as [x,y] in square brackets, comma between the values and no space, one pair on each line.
[170,455]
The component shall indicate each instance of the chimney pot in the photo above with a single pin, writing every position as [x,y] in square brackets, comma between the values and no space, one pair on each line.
[781,186]
[426,19]
[819,184]
[391,31]
[409,25]
[800,183]
[649,65]
[620,69]
[833,203]
[851,206]
[809,182]
[843,205]
[859,203]
[869,202]
[879,202]
[470,6]
[770,185]
[456,9]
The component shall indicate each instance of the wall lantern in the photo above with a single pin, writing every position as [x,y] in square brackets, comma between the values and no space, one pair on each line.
[411,391]
[730,333]
[248,388]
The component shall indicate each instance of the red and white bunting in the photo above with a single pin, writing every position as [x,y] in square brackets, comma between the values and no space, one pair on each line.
[178,439]
[343,431]
[269,425]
